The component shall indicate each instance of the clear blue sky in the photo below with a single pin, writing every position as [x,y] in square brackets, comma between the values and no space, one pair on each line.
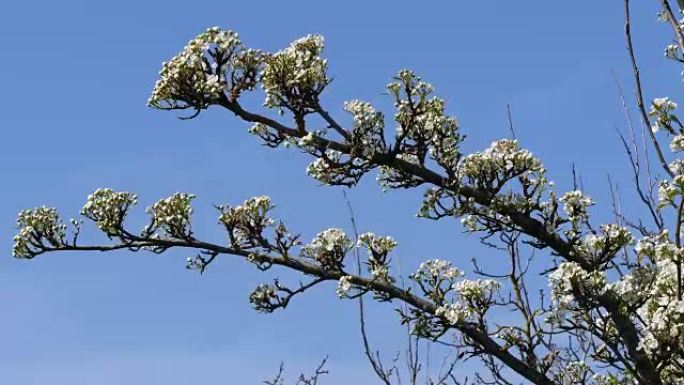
[75,77]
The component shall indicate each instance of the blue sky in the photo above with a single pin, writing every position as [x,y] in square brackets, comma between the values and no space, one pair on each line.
[76,76]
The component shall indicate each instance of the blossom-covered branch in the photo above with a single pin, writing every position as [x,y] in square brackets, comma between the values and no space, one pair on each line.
[617,299]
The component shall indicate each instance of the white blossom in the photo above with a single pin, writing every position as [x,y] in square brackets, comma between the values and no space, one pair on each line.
[188,80]
[327,169]
[376,244]
[378,249]
[38,228]
[344,286]
[575,204]
[661,109]
[296,75]
[108,209]
[570,278]
[500,162]
[367,128]
[453,313]
[247,221]
[672,51]
[605,243]
[574,372]
[422,120]
[171,216]
[476,290]
[437,269]
[261,297]
[329,248]
[677,143]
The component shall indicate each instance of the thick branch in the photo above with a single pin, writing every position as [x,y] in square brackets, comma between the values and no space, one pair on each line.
[389,290]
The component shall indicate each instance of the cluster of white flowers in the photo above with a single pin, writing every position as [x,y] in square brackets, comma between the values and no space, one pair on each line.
[437,202]
[436,270]
[604,244]
[195,263]
[391,177]
[458,299]
[497,164]
[295,76]
[664,329]
[422,120]
[659,248]
[307,140]
[258,129]
[510,335]
[654,287]
[606,379]
[406,80]
[634,286]
[570,279]
[471,223]
[575,204]
[334,168]
[378,249]
[188,77]
[261,297]
[574,372]
[171,216]
[377,245]
[677,143]
[479,290]
[247,221]
[661,109]
[669,190]
[344,286]
[672,51]
[454,313]
[38,228]
[108,209]
[329,248]
[367,128]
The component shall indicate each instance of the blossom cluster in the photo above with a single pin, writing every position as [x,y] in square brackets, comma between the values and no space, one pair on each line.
[570,280]
[476,291]
[669,190]
[665,327]
[192,78]
[603,245]
[246,223]
[294,77]
[392,177]
[471,297]
[575,205]
[344,286]
[436,270]
[329,248]
[328,168]
[661,110]
[38,229]
[262,297]
[659,248]
[108,209]
[574,372]
[672,51]
[171,216]
[457,299]
[378,249]
[503,160]
[677,143]
[423,126]
[453,313]
[367,129]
